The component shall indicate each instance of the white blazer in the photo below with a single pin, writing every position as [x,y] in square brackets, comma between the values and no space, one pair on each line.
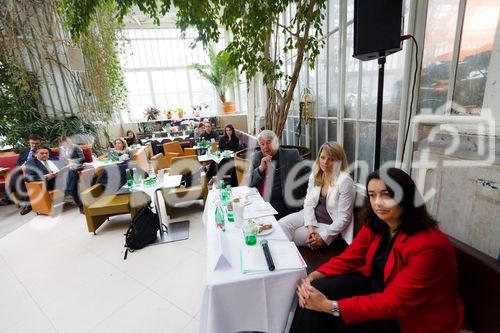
[339,204]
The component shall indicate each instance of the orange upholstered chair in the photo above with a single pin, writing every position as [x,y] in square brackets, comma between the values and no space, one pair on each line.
[173,147]
[43,201]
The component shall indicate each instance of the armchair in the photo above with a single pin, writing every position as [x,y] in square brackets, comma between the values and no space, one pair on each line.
[98,206]
[43,201]
[197,190]
[160,161]
[173,147]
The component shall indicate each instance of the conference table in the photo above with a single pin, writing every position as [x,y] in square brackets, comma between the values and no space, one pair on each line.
[234,301]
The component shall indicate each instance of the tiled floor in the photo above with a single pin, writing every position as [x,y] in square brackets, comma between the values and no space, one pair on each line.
[57,277]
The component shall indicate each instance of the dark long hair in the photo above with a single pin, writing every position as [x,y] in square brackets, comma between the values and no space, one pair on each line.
[403,190]
[135,139]
[232,136]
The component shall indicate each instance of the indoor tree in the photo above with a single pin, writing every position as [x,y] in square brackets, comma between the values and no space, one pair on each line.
[218,72]
[255,27]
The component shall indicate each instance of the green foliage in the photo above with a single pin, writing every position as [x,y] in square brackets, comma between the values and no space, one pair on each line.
[100,47]
[20,116]
[219,72]
[255,26]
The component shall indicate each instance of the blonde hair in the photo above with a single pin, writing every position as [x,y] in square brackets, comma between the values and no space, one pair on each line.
[336,153]
[124,143]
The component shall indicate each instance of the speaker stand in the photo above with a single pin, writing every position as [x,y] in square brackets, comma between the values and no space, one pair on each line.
[380,101]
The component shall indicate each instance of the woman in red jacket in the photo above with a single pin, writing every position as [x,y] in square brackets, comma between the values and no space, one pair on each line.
[398,275]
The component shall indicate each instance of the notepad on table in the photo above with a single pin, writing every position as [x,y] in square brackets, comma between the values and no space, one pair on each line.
[284,253]
[259,209]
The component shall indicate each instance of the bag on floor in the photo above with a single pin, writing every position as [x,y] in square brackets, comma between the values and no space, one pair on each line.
[143,230]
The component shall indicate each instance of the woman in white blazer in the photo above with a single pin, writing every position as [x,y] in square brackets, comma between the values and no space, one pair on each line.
[328,204]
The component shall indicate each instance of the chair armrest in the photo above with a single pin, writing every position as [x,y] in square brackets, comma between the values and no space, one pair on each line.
[90,195]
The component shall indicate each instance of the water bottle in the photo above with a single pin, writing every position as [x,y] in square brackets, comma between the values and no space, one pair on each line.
[229,203]
[130,181]
[135,176]
[239,209]
[219,218]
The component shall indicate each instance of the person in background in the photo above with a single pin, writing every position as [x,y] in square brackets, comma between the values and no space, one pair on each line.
[198,130]
[229,141]
[328,204]
[398,275]
[132,139]
[70,153]
[121,149]
[209,134]
[41,168]
[270,167]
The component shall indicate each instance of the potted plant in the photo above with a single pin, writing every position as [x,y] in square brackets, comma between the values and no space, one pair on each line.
[220,74]
[180,112]
[151,113]
[169,113]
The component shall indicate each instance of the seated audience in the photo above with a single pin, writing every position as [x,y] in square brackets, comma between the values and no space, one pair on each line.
[17,179]
[198,130]
[41,168]
[269,170]
[209,134]
[132,139]
[229,141]
[328,204]
[398,275]
[121,149]
[70,153]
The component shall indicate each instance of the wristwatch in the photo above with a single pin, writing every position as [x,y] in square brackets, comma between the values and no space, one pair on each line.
[335,309]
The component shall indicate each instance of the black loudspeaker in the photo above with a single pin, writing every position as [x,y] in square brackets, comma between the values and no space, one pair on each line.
[377,28]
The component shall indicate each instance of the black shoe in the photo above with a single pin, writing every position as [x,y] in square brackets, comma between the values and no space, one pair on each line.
[5,202]
[25,210]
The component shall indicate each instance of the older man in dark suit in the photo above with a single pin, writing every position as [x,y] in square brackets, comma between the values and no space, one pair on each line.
[270,168]
[41,168]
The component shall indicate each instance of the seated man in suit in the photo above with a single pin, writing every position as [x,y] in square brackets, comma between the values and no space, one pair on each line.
[270,168]
[70,153]
[42,168]
[17,179]
[209,134]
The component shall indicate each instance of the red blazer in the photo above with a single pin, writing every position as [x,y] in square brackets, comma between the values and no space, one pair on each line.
[420,278]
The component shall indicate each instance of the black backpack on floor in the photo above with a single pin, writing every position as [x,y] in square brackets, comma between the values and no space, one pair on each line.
[143,230]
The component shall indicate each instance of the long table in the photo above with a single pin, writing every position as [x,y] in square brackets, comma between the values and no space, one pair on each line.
[234,301]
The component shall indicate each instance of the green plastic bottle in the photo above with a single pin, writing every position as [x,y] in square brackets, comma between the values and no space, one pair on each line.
[219,218]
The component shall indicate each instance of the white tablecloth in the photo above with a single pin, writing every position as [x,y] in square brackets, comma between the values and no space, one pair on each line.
[212,157]
[234,301]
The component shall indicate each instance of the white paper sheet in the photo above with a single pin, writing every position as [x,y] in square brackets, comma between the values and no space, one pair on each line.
[284,253]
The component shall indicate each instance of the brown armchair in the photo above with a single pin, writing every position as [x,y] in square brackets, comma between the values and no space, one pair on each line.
[41,200]
[98,206]
[179,166]
[173,147]
[160,161]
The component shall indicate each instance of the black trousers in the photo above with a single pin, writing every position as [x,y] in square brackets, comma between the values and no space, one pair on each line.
[336,288]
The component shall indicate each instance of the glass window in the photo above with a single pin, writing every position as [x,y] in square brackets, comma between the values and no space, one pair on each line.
[478,33]
[437,55]
[350,141]
[334,74]
[157,73]
[366,143]
[332,130]
[352,72]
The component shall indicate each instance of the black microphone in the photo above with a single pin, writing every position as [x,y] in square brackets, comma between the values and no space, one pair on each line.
[267,254]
